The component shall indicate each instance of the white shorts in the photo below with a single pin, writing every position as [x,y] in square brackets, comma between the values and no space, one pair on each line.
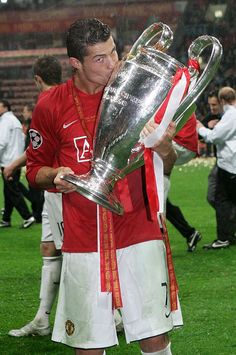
[52,222]
[84,316]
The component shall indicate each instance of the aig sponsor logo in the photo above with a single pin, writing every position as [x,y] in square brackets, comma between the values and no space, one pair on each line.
[82,146]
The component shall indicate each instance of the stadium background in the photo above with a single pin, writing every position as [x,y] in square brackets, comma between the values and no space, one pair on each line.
[30,28]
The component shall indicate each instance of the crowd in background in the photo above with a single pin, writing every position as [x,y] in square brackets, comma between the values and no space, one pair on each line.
[197,24]
[193,22]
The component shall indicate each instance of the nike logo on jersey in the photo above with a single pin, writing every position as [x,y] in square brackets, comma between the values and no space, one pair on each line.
[66,125]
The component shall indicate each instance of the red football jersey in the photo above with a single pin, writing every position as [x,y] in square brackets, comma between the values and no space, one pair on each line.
[187,136]
[58,136]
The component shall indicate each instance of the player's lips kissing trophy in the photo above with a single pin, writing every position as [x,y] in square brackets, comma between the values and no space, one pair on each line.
[130,100]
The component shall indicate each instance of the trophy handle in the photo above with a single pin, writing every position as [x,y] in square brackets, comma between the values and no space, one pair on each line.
[151,32]
[188,106]
[194,51]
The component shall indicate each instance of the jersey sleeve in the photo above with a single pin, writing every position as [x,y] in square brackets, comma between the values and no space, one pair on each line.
[43,146]
[187,136]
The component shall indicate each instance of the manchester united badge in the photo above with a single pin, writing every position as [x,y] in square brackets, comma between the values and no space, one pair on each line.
[70,327]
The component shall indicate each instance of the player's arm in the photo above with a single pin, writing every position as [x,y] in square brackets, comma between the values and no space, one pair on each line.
[169,160]
[217,135]
[164,146]
[10,169]
[41,152]
[47,178]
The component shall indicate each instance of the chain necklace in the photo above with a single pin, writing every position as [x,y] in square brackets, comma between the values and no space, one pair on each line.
[80,112]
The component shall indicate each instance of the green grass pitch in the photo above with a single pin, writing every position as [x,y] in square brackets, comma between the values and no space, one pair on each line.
[207,280]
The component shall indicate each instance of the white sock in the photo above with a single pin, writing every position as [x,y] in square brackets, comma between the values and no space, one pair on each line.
[50,279]
[165,351]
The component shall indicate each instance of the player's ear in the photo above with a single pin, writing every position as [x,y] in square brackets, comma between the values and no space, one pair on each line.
[38,81]
[36,78]
[75,63]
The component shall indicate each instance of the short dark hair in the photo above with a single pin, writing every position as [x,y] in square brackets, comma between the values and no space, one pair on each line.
[6,104]
[84,33]
[30,107]
[49,69]
[213,93]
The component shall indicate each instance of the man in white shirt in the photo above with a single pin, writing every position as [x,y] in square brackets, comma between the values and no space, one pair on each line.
[223,135]
[12,144]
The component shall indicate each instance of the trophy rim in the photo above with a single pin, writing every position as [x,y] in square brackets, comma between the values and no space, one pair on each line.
[163,55]
[106,198]
[109,202]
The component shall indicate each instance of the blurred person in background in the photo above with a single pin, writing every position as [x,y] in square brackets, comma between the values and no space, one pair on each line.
[210,121]
[12,143]
[212,118]
[27,117]
[35,196]
[186,146]
[47,74]
[223,135]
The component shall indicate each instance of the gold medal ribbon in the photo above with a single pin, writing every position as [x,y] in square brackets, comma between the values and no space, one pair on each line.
[108,262]
[170,266]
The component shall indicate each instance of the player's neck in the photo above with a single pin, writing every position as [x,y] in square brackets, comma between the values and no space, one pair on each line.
[87,86]
[45,87]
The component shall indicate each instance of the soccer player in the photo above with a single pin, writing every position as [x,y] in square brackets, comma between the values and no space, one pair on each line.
[47,74]
[63,129]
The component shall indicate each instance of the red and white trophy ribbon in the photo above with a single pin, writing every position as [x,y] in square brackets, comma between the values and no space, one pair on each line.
[154,168]
[109,276]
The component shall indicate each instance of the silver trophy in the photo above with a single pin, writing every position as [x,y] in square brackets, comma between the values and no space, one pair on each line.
[130,100]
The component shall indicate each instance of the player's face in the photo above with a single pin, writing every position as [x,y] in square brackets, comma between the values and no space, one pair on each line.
[26,113]
[99,63]
[2,108]
[214,105]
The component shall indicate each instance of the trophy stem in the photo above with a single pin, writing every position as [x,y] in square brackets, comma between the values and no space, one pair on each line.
[97,185]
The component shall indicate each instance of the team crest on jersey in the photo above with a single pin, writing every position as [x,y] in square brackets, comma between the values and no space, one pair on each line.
[36,138]
[70,327]
[83,149]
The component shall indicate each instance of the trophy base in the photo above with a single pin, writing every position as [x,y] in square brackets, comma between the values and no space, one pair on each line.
[95,191]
